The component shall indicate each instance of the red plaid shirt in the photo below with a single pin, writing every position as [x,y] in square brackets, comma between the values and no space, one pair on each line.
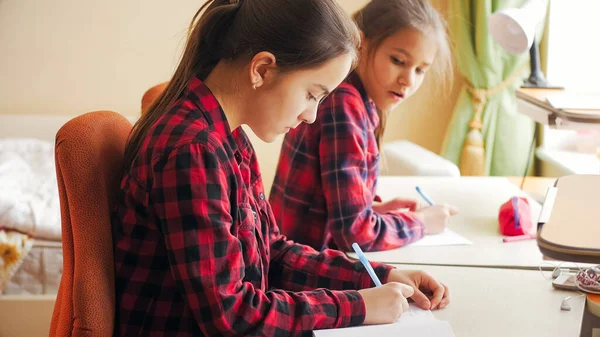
[197,251]
[324,188]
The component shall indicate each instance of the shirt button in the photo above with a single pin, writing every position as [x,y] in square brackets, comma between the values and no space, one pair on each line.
[261,196]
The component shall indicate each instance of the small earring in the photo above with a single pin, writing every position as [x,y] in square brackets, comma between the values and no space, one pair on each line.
[254,86]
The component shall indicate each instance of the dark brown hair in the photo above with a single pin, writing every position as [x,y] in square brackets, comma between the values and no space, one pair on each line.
[380,19]
[299,33]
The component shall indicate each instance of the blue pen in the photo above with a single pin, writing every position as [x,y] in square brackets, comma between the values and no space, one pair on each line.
[429,201]
[365,262]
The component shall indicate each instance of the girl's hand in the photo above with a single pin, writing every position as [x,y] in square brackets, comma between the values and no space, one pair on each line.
[397,204]
[436,218]
[422,283]
[385,304]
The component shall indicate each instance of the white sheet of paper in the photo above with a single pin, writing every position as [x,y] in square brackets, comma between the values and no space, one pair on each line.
[416,315]
[445,238]
[416,322]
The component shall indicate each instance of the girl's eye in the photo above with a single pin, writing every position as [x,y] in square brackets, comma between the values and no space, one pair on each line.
[397,61]
[310,97]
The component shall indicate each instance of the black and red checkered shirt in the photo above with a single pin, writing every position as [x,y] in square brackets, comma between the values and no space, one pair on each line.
[197,250]
[324,188]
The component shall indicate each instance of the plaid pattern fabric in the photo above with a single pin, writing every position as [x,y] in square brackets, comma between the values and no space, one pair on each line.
[197,250]
[325,183]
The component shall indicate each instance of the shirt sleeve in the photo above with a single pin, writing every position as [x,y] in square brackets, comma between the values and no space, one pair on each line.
[300,267]
[191,196]
[343,158]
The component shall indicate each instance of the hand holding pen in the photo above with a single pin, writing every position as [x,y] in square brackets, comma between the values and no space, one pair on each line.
[435,217]
[384,303]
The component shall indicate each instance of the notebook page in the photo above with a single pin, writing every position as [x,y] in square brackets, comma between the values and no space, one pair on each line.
[416,315]
[446,238]
[415,322]
[434,328]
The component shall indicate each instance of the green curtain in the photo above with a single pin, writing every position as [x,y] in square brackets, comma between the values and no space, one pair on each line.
[484,64]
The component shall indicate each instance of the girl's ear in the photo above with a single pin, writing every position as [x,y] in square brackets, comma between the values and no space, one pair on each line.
[263,67]
[364,45]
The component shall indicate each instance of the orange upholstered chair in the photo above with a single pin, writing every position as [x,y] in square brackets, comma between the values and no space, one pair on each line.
[89,154]
[151,94]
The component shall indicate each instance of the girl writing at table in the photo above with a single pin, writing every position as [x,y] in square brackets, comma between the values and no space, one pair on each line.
[324,190]
[197,249]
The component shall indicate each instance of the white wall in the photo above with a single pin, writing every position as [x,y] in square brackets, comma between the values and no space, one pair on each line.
[69,57]
[66,57]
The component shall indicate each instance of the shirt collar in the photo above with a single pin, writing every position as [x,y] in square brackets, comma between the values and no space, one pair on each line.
[204,99]
[354,80]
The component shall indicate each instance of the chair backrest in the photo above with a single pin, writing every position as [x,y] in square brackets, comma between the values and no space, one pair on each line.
[89,154]
[152,94]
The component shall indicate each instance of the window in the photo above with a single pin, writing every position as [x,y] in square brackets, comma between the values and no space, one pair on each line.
[573,61]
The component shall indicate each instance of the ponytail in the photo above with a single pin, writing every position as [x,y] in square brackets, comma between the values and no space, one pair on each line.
[199,58]
[299,33]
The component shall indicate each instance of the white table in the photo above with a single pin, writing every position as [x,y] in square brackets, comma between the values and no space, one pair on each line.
[494,302]
[479,200]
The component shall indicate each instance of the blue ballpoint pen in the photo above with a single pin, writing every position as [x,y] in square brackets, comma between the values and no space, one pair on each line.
[424,196]
[365,262]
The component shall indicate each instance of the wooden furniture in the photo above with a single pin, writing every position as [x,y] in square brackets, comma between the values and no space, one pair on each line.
[590,326]
[27,315]
[532,102]
[536,187]
[559,128]
[572,232]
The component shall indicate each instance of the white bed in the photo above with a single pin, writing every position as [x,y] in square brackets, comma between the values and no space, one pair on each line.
[40,271]
[29,205]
